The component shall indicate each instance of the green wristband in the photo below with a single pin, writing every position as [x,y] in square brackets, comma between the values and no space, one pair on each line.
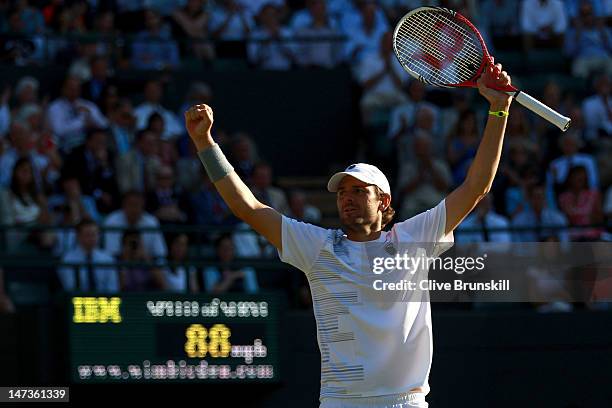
[499,114]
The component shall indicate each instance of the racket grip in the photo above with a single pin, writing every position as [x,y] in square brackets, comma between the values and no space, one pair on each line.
[544,111]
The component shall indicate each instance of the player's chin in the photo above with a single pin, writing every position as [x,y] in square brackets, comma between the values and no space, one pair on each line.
[351,220]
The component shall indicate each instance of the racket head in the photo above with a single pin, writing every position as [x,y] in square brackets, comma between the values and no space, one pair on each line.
[440,47]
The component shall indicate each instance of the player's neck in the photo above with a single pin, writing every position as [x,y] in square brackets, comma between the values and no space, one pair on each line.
[367,234]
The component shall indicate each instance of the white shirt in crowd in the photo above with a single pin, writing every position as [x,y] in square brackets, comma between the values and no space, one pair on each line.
[374,64]
[106,278]
[272,55]
[153,242]
[536,15]
[69,123]
[596,115]
[560,167]
[491,220]
[407,112]
[368,348]
[177,280]
[367,43]
[172,126]
[234,30]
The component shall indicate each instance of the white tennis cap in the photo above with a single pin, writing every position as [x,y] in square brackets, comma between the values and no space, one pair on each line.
[361,171]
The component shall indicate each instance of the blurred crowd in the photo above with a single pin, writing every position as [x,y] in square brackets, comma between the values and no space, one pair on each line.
[277,34]
[93,158]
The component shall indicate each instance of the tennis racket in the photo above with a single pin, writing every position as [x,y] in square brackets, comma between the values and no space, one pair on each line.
[441,47]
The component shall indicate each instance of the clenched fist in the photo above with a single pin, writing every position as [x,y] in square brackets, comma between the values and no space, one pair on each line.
[198,121]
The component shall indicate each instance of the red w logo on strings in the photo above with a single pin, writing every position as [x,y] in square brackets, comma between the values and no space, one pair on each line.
[447,41]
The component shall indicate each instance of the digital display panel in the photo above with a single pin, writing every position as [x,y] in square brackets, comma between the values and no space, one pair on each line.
[153,337]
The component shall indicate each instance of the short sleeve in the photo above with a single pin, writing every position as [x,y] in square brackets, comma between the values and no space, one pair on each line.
[427,227]
[302,243]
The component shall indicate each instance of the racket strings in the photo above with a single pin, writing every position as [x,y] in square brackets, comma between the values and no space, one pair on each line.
[433,44]
[430,23]
[432,68]
[438,48]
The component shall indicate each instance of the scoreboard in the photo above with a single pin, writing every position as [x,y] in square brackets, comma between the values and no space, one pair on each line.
[153,338]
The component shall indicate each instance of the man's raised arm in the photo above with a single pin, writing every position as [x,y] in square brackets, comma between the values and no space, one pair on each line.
[239,198]
[482,171]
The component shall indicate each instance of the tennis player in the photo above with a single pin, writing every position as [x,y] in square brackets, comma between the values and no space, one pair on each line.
[372,354]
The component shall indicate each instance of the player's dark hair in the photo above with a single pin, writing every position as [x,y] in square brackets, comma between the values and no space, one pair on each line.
[388,214]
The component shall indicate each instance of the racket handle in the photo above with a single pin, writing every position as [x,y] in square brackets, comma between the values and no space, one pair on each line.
[544,111]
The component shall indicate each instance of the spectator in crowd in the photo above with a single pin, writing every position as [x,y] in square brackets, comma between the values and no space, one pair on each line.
[518,127]
[243,155]
[382,78]
[601,8]
[81,63]
[31,115]
[137,168]
[597,110]
[122,126]
[225,277]
[301,210]
[95,87]
[32,19]
[166,202]
[556,177]
[542,21]
[424,122]
[461,145]
[21,47]
[142,276]
[254,7]
[264,191]
[188,169]
[69,208]
[132,215]
[536,220]
[26,92]
[6,304]
[168,153]
[581,205]
[207,206]
[180,278]
[477,226]
[153,48]
[71,116]
[198,93]
[403,116]
[423,181]
[499,17]
[154,94]
[314,22]
[269,48]
[98,273]
[518,172]
[364,28]
[231,23]
[589,43]
[93,165]
[104,27]
[28,206]
[71,198]
[191,22]
[23,146]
